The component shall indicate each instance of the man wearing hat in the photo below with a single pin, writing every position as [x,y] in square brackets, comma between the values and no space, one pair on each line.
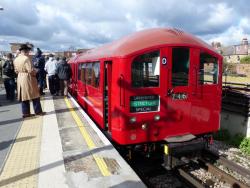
[27,87]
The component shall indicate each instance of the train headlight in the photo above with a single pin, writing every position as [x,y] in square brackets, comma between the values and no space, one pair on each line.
[132,119]
[157,117]
[144,126]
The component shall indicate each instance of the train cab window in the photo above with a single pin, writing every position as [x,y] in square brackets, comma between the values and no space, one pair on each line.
[180,66]
[95,74]
[208,73]
[88,73]
[146,70]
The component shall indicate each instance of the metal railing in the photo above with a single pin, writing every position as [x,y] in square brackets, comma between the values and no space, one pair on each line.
[236,86]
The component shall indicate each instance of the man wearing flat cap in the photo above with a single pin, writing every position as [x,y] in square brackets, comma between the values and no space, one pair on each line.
[27,87]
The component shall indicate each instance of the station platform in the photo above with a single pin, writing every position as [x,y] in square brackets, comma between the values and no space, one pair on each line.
[63,149]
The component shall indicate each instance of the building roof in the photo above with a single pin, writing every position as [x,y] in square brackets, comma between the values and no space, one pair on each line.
[235,50]
[144,40]
[229,50]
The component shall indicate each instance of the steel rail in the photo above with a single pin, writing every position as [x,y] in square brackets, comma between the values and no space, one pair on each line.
[230,164]
[223,176]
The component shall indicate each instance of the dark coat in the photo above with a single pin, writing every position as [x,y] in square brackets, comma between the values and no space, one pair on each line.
[39,63]
[8,69]
[64,71]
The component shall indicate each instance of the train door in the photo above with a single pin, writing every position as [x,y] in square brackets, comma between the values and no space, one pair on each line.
[177,89]
[107,93]
[206,92]
[81,82]
[74,80]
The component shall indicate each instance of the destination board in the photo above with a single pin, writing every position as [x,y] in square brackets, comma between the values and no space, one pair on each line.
[146,103]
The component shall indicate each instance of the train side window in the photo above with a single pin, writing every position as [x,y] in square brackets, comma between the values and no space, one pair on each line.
[208,73]
[146,70]
[88,73]
[95,74]
[83,70]
[79,71]
[180,66]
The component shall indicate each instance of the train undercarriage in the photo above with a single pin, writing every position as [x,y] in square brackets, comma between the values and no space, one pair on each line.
[172,152]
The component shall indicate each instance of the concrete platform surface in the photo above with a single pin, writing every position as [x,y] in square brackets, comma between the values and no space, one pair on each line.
[63,148]
[10,123]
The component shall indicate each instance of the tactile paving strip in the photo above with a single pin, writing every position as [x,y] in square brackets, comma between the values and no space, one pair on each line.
[22,166]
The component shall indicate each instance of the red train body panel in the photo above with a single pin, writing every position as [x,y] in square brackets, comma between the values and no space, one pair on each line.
[150,86]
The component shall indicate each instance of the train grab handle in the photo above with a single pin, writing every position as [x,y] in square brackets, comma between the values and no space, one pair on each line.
[170,92]
[196,71]
[122,91]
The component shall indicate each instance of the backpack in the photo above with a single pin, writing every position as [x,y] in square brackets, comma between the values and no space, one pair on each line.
[8,69]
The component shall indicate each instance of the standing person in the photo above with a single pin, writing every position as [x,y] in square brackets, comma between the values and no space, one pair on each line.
[46,74]
[57,80]
[50,68]
[27,88]
[39,64]
[64,73]
[9,77]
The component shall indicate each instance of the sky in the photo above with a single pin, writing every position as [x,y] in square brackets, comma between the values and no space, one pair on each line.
[57,25]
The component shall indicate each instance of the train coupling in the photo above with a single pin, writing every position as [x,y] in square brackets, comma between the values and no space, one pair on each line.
[180,153]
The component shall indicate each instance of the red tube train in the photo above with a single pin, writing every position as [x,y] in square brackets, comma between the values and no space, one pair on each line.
[155,85]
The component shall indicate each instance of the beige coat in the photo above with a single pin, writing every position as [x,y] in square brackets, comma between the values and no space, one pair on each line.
[27,87]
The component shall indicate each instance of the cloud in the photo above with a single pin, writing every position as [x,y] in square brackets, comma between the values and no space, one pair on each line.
[60,24]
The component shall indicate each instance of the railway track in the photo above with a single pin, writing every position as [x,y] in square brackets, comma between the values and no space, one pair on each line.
[218,176]
[207,163]
[155,175]
[215,157]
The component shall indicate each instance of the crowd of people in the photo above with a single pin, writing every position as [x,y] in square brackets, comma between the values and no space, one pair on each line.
[31,76]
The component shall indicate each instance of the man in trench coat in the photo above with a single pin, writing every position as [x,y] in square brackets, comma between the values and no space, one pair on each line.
[27,87]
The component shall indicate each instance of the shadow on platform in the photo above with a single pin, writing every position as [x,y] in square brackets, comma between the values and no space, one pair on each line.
[5,122]
[6,144]
[126,184]
[52,165]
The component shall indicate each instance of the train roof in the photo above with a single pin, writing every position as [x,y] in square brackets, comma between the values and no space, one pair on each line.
[142,40]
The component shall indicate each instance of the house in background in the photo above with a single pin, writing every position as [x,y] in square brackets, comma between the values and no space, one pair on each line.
[69,53]
[234,53]
[14,47]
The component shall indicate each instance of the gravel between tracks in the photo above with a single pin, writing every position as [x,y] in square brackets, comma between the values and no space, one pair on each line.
[231,153]
[208,178]
[235,155]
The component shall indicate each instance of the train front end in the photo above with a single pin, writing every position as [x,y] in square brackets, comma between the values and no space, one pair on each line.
[169,93]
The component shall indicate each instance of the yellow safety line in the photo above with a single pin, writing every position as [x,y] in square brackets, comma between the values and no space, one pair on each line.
[100,162]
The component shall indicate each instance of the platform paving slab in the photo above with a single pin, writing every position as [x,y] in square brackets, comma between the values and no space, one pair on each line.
[10,123]
[22,166]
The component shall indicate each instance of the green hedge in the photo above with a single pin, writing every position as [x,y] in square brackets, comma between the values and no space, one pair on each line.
[245,146]
[245,60]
